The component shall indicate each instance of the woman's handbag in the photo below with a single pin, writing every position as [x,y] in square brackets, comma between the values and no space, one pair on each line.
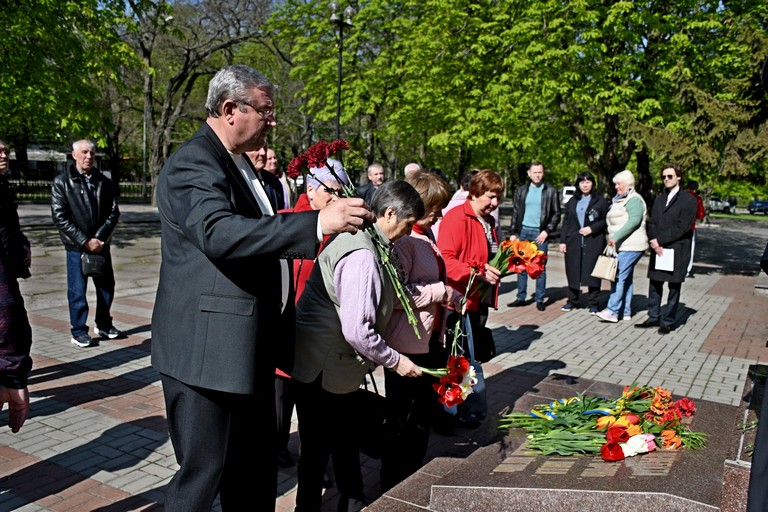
[93,265]
[607,264]
[474,408]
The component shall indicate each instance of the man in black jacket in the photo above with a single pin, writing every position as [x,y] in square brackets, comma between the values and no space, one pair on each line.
[535,216]
[84,209]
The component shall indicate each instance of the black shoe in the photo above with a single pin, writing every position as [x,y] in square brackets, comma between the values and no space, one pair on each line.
[517,304]
[540,306]
[647,324]
[664,329]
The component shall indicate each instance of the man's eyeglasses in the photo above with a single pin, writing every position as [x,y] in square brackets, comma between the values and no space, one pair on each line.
[669,176]
[265,114]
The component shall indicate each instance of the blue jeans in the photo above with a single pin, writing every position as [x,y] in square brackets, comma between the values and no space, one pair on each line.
[522,278]
[622,289]
[77,285]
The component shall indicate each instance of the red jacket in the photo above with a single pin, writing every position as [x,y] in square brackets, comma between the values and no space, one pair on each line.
[462,242]
[302,268]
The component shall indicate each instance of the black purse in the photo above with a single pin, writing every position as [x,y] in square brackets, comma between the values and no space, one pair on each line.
[93,265]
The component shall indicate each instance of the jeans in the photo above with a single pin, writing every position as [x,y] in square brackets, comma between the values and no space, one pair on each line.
[622,289]
[522,278]
[77,285]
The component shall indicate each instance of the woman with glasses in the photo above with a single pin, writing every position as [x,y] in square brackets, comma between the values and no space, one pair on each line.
[670,228]
[582,240]
[626,234]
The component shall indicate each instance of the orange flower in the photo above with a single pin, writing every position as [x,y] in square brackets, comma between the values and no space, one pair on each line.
[671,439]
[633,430]
[524,249]
[605,422]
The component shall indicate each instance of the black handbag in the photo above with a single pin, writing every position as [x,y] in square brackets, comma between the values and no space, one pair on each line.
[93,265]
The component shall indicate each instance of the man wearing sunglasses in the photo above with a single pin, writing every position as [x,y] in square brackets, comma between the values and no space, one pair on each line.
[670,228]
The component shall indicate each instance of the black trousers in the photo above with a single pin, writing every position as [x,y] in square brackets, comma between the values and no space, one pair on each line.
[593,295]
[284,402]
[328,426]
[414,402]
[220,440]
[655,289]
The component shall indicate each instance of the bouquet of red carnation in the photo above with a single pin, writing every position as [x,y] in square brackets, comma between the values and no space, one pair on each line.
[316,157]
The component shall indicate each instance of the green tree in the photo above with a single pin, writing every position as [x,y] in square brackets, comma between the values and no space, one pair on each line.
[57,54]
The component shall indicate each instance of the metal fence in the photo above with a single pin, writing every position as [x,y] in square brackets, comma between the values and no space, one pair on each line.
[40,190]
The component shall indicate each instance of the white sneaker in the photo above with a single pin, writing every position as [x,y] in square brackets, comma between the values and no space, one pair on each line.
[607,316]
[628,318]
[82,341]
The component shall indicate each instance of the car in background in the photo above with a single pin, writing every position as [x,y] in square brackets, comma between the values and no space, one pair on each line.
[719,205]
[758,206]
[566,194]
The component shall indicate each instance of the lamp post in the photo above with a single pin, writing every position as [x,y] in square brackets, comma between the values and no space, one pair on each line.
[340,22]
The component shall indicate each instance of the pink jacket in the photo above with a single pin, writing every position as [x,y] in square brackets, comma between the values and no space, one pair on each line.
[418,257]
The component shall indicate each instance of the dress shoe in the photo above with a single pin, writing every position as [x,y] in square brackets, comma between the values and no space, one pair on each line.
[647,324]
[540,306]
[664,329]
[517,304]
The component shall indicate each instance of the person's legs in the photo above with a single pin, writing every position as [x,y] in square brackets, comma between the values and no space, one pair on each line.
[203,426]
[105,293]
[522,278]
[629,284]
[284,402]
[315,444]
[620,287]
[249,476]
[541,281]
[655,289]
[693,247]
[344,428]
[673,303]
[593,296]
[76,289]
[414,405]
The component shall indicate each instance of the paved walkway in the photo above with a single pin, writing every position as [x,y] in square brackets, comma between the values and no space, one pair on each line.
[96,438]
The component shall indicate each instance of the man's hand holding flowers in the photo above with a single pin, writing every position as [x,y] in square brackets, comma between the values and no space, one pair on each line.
[345,214]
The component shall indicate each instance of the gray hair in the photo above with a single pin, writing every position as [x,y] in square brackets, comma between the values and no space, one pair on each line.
[82,142]
[625,177]
[401,197]
[233,83]
[323,174]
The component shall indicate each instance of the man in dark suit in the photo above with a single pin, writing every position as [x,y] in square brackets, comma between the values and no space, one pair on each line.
[216,330]
[670,228]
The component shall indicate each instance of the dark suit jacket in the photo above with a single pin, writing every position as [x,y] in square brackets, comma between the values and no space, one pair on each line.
[672,226]
[217,322]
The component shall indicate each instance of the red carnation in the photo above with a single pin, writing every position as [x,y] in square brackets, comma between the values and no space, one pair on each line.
[686,406]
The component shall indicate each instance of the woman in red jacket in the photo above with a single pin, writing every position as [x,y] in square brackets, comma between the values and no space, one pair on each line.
[468,239]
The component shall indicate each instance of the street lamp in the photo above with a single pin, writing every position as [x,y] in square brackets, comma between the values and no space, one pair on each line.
[340,22]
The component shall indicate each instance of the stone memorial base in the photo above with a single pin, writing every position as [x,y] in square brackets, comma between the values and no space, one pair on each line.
[505,476]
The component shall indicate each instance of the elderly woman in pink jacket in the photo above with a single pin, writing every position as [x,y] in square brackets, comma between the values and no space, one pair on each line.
[413,400]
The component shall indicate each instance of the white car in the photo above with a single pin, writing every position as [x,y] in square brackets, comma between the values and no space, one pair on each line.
[719,205]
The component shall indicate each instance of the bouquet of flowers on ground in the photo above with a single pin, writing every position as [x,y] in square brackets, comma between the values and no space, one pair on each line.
[643,419]
[515,257]
[316,157]
[458,377]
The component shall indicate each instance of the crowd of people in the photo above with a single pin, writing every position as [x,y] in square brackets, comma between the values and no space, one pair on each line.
[291,304]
